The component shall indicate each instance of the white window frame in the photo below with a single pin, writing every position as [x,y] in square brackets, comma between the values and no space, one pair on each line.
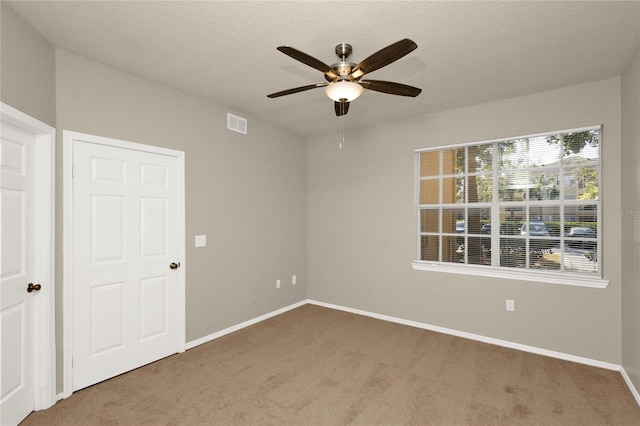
[496,271]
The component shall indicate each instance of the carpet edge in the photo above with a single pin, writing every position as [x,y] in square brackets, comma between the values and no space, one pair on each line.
[197,342]
[477,337]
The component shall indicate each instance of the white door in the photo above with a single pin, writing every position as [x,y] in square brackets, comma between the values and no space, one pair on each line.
[16,272]
[125,259]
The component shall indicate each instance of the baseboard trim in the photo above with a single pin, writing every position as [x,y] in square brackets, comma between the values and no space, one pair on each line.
[477,337]
[630,385]
[218,334]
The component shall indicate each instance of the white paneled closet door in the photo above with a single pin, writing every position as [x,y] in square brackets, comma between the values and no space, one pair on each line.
[125,260]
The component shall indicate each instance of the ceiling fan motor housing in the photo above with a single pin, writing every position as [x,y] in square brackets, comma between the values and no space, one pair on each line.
[343,71]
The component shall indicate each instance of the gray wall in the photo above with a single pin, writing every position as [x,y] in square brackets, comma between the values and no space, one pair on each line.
[631,219]
[246,193]
[361,227]
[27,68]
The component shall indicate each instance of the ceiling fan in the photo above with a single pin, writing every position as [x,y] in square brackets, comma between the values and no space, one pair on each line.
[344,79]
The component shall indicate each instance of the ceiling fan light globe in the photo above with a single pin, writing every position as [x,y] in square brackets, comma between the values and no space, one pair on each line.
[343,90]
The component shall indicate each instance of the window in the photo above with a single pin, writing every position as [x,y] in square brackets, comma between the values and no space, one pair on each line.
[528,206]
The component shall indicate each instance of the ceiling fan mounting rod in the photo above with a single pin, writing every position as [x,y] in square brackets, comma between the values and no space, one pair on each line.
[343,50]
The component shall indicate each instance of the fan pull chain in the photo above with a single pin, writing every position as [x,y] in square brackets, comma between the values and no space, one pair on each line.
[341,130]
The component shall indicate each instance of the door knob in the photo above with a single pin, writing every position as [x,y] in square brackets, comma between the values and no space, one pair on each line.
[32,287]
[174,265]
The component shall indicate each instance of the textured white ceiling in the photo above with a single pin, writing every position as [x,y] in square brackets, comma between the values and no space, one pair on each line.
[225,51]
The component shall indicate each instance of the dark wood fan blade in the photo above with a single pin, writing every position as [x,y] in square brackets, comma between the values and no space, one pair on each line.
[296,90]
[390,87]
[307,60]
[341,108]
[384,57]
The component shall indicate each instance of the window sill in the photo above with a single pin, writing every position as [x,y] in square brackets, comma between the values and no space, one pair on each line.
[577,280]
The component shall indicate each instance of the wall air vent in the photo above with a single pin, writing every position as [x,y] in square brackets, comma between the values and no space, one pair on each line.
[237,124]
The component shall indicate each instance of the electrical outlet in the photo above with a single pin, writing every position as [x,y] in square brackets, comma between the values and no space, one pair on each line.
[294,280]
[511,306]
[277,283]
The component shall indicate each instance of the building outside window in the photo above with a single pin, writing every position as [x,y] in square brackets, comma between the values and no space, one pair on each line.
[530,204]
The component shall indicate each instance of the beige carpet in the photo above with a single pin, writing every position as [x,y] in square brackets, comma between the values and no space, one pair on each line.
[318,366]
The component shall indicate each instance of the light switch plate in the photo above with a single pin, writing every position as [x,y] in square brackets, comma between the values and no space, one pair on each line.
[201,240]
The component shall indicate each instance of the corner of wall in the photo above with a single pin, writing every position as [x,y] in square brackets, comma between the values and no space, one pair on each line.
[630,241]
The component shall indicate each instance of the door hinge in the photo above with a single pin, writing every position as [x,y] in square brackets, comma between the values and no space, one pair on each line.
[73,170]
[73,361]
